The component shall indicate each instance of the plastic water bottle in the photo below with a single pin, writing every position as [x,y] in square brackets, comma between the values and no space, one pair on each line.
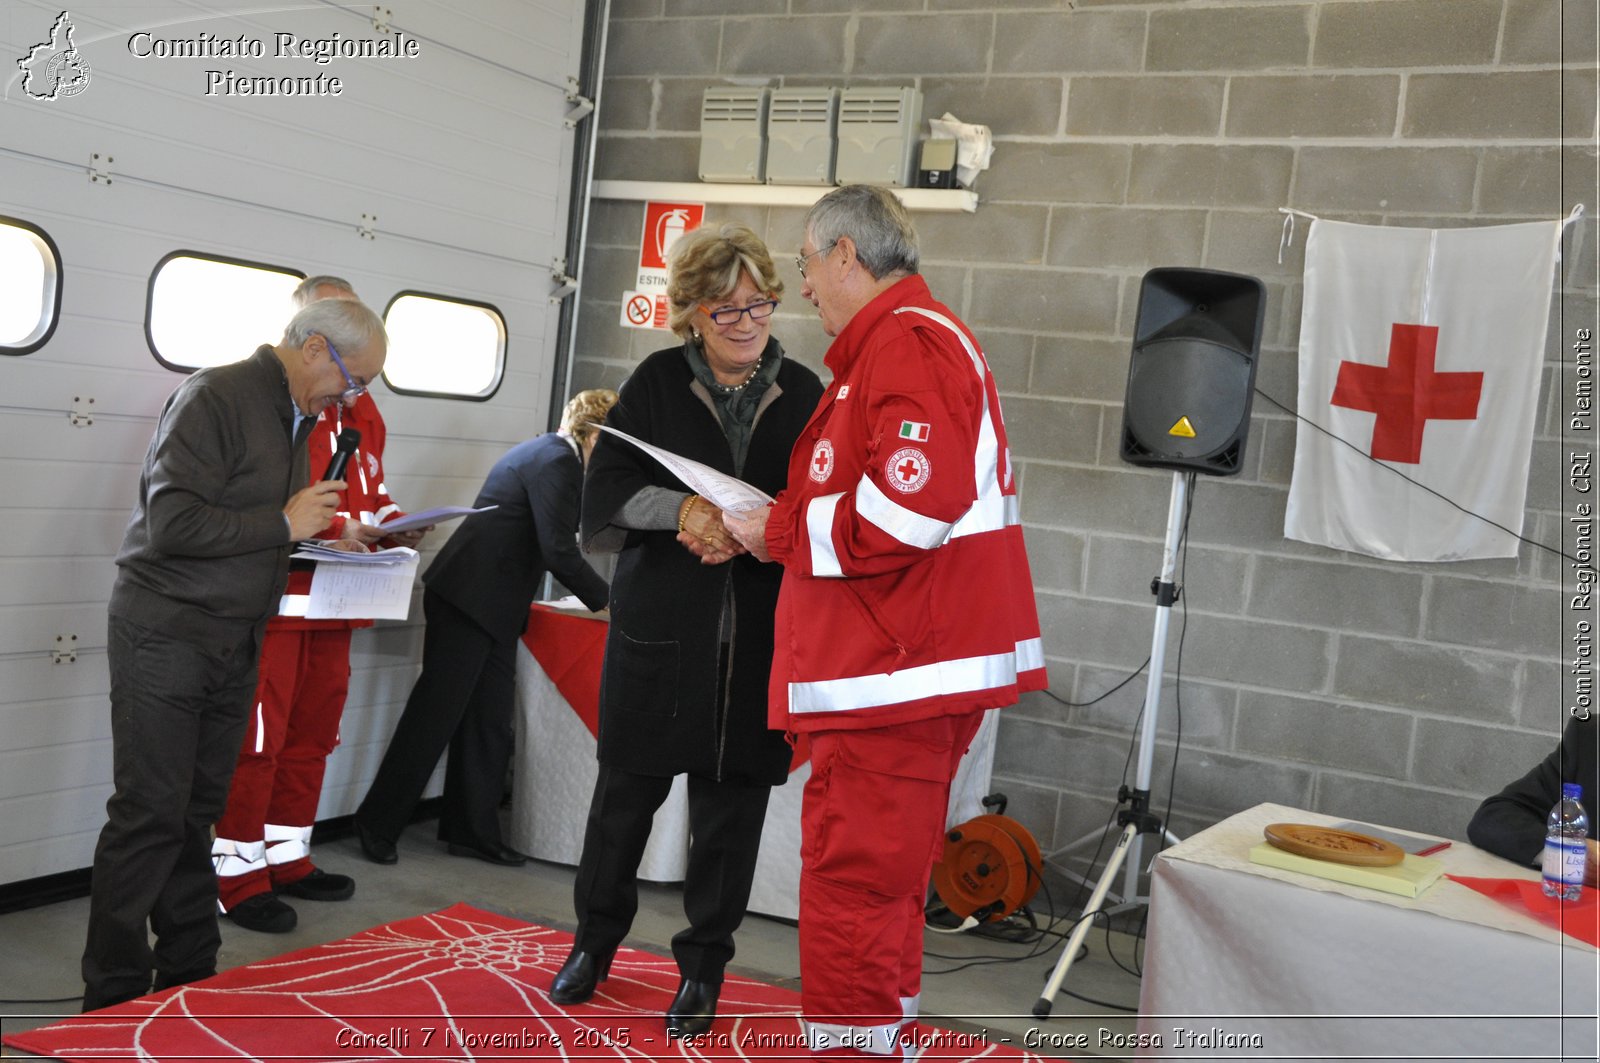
[1564,845]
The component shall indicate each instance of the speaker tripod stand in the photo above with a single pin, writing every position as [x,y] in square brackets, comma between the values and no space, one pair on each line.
[1137,819]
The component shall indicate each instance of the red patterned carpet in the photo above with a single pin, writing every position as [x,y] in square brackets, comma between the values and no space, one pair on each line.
[460,984]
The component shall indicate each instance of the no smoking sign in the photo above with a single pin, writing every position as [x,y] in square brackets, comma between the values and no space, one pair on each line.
[644,310]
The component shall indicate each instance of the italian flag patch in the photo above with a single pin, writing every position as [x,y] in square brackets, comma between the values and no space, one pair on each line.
[914,430]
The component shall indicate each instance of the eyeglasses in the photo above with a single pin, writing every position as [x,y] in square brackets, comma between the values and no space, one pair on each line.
[801,260]
[354,391]
[731,315]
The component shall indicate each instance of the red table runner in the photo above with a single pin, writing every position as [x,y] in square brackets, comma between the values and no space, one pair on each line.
[1578,919]
[571,649]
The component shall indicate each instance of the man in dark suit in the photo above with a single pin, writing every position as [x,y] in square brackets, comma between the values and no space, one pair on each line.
[476,597]
[202,564]
[1512,822]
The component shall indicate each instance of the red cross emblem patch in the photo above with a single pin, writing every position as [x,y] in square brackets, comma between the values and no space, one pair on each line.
[907,470]
[821,461]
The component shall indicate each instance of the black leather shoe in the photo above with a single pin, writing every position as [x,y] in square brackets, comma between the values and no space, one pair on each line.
[578,977]
[694,1008]
[177,978]
[321,886]
[378,850]
[497,853]
[265,914]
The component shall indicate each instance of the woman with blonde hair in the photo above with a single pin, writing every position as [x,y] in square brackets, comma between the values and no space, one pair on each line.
[684,690]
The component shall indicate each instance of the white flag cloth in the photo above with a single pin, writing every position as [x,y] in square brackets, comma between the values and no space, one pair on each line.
[1422,348]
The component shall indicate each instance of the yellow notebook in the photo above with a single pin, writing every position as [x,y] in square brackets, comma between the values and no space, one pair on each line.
[1408,878]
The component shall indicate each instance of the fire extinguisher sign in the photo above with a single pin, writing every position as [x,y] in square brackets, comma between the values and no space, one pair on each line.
[664,223]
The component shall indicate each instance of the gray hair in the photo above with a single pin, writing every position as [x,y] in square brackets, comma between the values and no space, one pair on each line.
[348,324]
[874,219]
[304,293]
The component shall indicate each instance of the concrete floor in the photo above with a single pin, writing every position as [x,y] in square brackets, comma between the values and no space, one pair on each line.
[40,947]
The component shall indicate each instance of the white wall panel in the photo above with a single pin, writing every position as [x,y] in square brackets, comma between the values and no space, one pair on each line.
[449,173]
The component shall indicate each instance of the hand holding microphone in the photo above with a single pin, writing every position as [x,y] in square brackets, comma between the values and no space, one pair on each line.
[349,440]
[312,509]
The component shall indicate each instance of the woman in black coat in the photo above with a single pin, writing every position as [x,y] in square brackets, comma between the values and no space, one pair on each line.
[684,690]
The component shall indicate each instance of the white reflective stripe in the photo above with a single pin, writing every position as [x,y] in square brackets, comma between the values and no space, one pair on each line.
[993,509]
[261,736]
[910,1007]
[913,684]
[231,858]
[896,521]
[361,472]
[294,604]
[819,530]
[385,513]
[875,1040]
[285,845]
[1030,655]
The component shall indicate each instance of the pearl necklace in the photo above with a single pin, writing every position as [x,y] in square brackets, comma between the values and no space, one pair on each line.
[734,389]
[731,389]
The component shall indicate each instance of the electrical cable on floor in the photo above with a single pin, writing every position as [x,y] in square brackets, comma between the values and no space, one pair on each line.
[51,1000]
[1033,936]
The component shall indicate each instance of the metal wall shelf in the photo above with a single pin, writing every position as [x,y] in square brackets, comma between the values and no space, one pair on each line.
[950,200]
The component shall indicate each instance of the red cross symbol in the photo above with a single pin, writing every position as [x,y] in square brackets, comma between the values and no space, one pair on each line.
[908,470]
[1406,394]
[820,460]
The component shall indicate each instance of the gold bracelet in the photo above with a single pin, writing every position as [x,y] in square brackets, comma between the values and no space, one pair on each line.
[683,514]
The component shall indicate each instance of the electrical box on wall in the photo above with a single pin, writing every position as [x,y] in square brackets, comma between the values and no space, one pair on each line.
[800,136]
[733,142]
[878,136]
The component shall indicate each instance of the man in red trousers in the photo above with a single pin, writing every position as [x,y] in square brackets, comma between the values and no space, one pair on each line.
[906,611]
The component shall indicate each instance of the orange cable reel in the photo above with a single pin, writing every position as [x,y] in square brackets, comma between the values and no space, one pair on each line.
[989,869]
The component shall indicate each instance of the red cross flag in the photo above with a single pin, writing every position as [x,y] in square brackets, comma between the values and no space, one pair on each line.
[1421,348]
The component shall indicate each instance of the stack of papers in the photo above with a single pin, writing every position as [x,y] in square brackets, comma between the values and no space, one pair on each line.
[319,550]
[360,585]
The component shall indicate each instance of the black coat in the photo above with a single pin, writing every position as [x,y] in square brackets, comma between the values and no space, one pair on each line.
[661,712]
[1512,822]
[492,566]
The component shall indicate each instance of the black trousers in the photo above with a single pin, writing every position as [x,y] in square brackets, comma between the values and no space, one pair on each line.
[178,714]
[725,821]
[464,699]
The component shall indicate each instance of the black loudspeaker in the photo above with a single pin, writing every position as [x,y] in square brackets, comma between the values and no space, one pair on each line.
[1192,375]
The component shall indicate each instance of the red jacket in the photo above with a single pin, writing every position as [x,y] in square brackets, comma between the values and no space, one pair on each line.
[906,591]
[365,497]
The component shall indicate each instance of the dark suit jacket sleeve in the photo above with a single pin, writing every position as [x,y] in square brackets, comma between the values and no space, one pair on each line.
[1512,822]
[554,490]
[195,461]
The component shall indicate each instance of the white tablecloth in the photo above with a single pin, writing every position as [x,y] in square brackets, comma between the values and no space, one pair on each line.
[1255,962]
[554,778]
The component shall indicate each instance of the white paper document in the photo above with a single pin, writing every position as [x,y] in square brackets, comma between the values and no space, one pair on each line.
[361,586]
[429,517]
[723,491]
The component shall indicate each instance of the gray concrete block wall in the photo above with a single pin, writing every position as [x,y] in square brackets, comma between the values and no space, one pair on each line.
[1140,133]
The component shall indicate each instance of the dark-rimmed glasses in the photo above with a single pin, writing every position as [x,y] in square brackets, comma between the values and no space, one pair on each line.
[730,315]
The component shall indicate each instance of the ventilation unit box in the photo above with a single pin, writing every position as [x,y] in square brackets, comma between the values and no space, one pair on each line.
[878,136]
[733,142]
[800,136]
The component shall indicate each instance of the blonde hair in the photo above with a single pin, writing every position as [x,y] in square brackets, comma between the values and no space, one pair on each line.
[706,265]
[585,411]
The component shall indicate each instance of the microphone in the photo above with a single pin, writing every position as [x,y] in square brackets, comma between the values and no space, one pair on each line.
[349,440]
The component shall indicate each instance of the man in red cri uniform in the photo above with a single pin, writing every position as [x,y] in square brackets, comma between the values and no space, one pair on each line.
[263,843]
[906,611]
